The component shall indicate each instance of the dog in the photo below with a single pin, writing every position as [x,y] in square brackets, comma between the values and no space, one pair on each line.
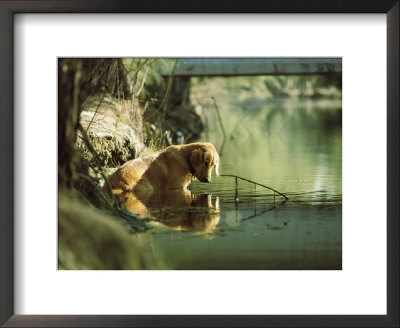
[171,168]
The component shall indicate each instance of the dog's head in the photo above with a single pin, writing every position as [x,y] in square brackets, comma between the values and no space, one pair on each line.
[203,158]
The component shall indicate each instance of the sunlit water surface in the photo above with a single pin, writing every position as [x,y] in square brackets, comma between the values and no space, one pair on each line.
[292,146]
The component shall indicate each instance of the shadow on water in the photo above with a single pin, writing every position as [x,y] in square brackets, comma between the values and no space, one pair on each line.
[293,146]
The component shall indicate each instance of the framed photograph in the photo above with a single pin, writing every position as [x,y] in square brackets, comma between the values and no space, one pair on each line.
[199,164]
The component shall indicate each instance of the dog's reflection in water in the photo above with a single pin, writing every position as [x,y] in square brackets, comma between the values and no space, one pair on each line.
[176,209]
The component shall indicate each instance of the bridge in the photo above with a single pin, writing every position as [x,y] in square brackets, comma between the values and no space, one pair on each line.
[186,67]
[182,69]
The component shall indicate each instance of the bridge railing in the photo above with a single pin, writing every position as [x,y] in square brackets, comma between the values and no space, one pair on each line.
[253,66]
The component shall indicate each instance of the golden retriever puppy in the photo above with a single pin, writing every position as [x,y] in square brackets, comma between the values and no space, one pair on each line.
[171,168]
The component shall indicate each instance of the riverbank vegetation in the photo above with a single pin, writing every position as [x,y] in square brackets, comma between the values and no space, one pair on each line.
[99,125]
[113,110]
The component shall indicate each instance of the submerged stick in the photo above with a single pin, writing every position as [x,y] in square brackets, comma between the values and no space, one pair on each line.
[236,193]
[255,183]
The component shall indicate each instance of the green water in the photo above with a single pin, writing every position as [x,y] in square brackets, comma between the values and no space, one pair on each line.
[293,146]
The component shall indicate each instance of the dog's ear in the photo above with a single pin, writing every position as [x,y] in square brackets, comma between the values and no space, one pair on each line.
[197,157]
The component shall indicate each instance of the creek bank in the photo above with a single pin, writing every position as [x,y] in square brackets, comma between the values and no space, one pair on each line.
[120,130]
[92,239]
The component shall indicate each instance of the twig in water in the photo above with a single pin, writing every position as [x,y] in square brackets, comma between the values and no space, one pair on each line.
[236,193]
[256,183]
[264,211]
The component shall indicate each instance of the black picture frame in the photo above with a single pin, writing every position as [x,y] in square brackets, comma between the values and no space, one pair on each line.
[7,10]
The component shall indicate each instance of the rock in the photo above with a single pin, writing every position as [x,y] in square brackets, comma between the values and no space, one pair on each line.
[115,134]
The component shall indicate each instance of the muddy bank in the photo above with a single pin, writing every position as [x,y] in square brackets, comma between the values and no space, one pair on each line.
[91,239]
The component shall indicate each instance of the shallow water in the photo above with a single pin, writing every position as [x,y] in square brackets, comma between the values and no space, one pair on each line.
[292,146]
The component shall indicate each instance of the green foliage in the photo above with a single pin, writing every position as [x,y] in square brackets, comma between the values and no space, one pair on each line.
[147,84]
[263,87]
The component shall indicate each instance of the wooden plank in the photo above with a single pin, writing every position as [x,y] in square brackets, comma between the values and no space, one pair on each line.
[254,66]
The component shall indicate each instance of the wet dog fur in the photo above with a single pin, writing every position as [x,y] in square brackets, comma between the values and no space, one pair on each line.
[171,168]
